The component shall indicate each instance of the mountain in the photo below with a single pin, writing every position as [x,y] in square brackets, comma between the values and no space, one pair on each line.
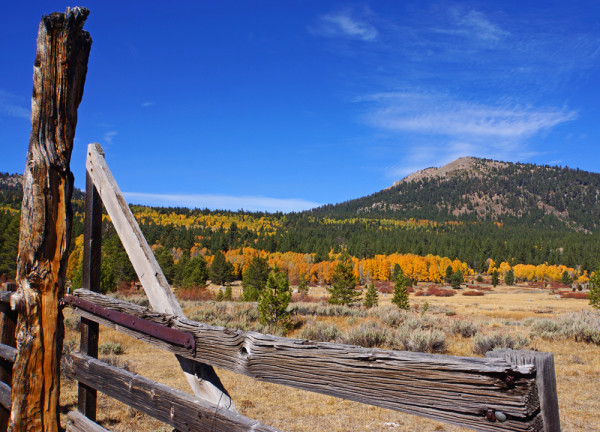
[473,189]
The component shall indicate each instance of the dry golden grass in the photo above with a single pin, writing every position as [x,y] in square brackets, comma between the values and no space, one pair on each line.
[577,368]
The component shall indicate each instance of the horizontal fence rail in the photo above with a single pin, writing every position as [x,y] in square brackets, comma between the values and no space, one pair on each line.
[487,394]
[77,422]
[174,407]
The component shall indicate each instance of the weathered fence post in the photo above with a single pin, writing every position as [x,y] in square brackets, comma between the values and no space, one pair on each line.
[545,381]
[8,322]
[92,242]
[58,79]
[202,378]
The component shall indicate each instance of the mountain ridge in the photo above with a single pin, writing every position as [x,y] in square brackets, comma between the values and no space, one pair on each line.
[474,189]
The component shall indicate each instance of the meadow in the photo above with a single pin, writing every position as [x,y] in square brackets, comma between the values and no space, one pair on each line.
[463,325]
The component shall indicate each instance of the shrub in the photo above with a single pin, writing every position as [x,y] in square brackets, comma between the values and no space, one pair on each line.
[367,335]
[301,298]
[239,316]
[320,332]
[430,340]
[119,362]
[72,323]
[440,292]
[485,343]
[463,328]
[305,308]
[473,293]
[574,295]
[421,322]
[111,348]
[390,315]
[194,294]
[339,310]
[581,327]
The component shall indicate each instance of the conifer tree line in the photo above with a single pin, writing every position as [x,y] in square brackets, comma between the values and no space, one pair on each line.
[184,238]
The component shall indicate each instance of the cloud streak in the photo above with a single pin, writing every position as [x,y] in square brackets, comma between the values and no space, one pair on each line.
[476,24]
[109,137]
[10,107]
[343,24]
[222,202]
[435,129]
[438,115]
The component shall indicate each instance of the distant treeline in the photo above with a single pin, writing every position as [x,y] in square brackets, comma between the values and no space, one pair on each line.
[470,241]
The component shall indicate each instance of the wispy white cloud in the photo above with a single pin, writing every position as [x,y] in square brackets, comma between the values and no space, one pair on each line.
[148,104]
[222,202]
[477,25]
[436,129]
[440,115]
[10,106]
[345,24]
[109,137]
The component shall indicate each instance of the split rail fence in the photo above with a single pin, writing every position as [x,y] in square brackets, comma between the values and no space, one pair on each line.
[507,390]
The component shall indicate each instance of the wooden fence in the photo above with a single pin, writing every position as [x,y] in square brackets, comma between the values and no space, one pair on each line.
[507,390]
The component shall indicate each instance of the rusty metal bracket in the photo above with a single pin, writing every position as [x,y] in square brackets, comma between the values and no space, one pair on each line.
[158,331]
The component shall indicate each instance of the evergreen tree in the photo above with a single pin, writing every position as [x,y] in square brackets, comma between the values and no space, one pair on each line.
[397,272]
[303,285]
[107,278]
[566,278]
[180,268]
[495,278]
[220,296]
[449,273]
[400,297]
[115,256]
[165,261]
[221,270]
[228,293]
[371,297]
[456,279]
[255,278]
[274,300]
[594,294]
[195,273]
[342,290]
[509,279]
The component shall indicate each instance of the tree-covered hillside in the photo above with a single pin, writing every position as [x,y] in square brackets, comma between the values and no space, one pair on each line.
[472,189]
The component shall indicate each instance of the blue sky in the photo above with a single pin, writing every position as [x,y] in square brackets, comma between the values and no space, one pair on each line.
[285,105]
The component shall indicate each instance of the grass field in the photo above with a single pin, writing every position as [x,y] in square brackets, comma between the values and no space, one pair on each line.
[536,317]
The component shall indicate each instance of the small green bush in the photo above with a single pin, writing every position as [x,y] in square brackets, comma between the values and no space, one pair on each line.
[110,348]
